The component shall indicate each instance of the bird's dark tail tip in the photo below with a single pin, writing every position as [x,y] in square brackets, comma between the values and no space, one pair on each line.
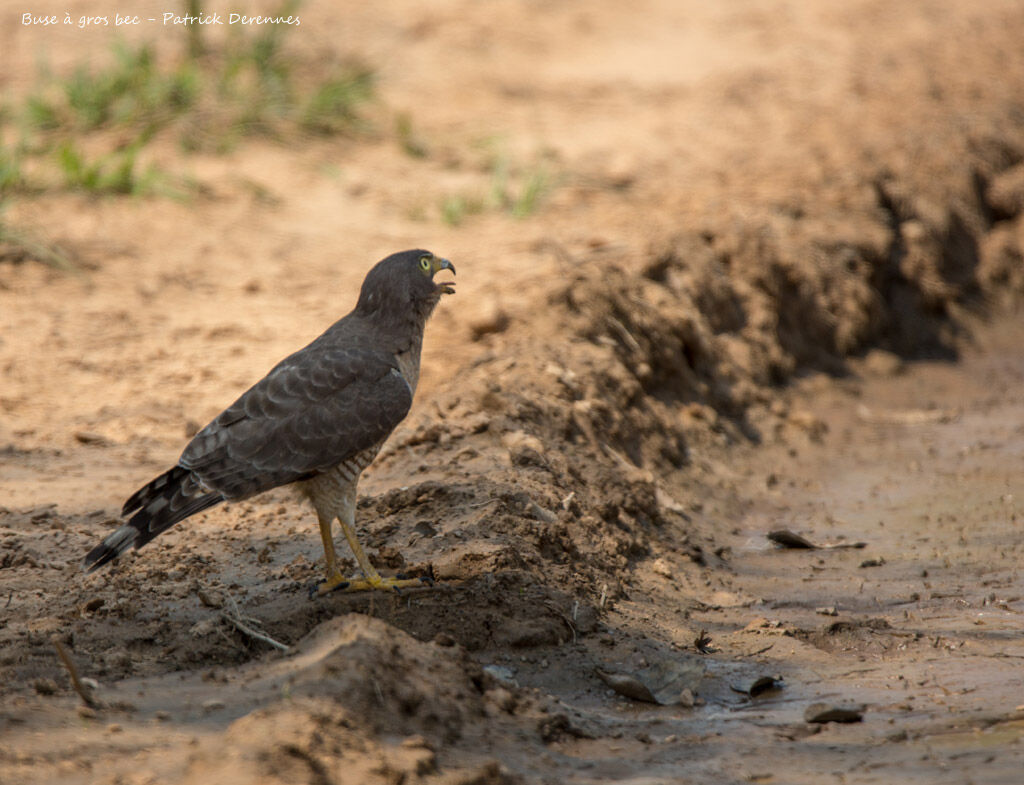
[111,547]
[161,503]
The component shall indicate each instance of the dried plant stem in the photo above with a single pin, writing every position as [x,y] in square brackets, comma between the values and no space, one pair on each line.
[84,693]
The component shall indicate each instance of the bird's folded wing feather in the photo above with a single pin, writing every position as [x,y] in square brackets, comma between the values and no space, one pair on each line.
[316,409]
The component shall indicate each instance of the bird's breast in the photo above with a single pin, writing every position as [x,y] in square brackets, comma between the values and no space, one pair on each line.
[340,480]
[409,364]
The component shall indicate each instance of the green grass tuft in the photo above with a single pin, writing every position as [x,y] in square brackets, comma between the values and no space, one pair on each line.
[516,191]
[333,106]
[455,208]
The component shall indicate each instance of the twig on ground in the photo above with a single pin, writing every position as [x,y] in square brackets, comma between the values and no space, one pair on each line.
[702,643]
[908,417]
[234,618]
[83,692]
[627,337]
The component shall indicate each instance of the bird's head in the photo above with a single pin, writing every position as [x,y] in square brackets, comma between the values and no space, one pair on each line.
[405,281]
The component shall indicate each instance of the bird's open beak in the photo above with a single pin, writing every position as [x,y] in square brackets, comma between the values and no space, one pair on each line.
[444,287]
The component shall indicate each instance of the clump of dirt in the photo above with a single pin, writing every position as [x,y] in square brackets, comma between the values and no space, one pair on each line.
[365,703]
[311,740]
[386,681]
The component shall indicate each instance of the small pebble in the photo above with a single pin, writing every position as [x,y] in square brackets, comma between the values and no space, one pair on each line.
[44,686]
[827,712]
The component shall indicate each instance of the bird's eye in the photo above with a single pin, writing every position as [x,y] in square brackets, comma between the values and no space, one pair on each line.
[424,263]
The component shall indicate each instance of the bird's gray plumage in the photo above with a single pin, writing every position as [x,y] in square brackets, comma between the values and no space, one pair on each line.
[331,404]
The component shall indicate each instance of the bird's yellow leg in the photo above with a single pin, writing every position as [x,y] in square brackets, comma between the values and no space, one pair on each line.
[371,579]
[369,571]
[334,577]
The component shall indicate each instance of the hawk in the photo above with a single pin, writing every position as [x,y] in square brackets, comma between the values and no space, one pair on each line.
[315,421]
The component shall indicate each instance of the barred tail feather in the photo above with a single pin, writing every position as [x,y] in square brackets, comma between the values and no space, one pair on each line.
[157,506]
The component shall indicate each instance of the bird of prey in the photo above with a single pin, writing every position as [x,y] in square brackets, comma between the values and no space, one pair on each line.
[315,421]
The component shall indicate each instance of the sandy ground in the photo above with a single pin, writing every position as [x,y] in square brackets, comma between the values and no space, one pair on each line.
[771,286]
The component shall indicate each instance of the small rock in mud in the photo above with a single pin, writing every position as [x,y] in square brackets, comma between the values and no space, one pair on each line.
[787,539]
[879,362]
[828,712]
[557,726]
[88,437]
[524,449]
[424,529]
[669,682]
[45,686]
[762,685]
[502,675]
[92,605]
[210,598]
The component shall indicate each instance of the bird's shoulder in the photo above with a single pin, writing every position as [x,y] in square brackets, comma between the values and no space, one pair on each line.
[343,360]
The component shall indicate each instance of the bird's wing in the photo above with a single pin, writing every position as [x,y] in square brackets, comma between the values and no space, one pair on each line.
[317,408]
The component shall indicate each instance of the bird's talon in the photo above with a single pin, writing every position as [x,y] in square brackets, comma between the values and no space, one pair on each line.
[330,585]
[361,584]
